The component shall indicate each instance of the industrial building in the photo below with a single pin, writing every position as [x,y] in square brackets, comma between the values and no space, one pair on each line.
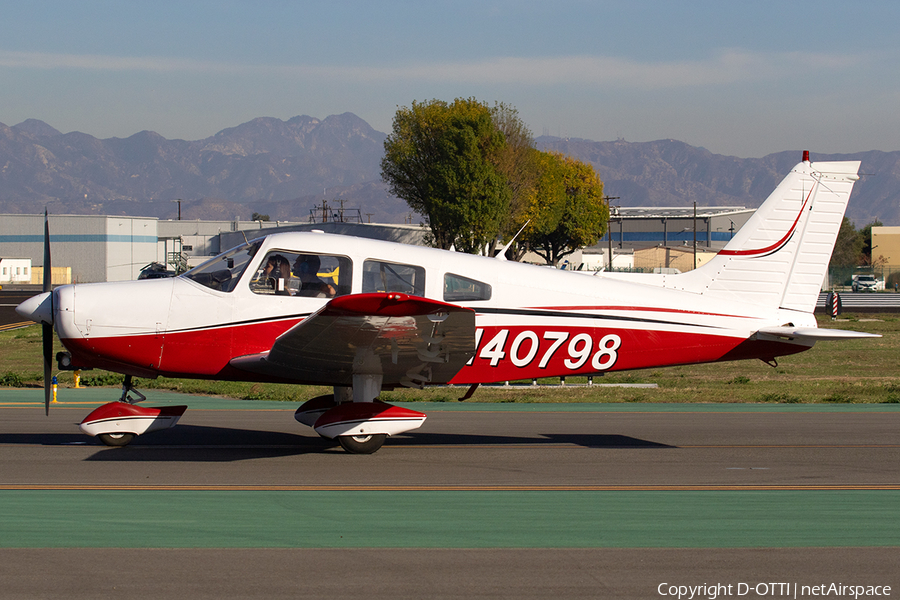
[89,248]
[108,248]
[637,228]
[97,248]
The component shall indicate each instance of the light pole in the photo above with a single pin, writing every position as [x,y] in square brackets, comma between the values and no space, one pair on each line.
[609,227]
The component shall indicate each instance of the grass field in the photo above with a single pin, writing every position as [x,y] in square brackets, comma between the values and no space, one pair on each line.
[854,371]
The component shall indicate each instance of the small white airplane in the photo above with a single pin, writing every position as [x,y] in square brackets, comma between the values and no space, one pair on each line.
[365,316]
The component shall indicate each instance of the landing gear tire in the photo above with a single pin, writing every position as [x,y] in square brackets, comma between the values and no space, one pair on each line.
[116,439]
[361,444]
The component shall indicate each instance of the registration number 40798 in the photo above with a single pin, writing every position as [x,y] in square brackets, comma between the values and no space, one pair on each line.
[527,347]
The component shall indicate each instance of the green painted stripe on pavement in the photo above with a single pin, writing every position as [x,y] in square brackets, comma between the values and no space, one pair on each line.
[72,398]
[448,519]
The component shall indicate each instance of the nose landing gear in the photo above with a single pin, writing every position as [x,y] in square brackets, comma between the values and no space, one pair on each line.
[117,423]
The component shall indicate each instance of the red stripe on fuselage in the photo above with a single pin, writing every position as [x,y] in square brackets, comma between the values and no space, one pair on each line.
[609,349]
[522,352]
[201,353]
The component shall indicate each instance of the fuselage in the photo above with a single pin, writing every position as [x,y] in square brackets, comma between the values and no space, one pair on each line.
[531,321]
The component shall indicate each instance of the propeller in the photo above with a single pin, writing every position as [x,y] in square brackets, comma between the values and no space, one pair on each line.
[47,328]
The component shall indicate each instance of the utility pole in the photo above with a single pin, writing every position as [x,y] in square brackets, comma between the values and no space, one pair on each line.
[609,228]
[695,234]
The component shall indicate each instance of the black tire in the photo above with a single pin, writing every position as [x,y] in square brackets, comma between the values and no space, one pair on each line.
[362,444]
[116,439]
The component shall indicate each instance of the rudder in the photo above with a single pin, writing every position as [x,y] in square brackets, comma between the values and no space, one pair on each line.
[779,257]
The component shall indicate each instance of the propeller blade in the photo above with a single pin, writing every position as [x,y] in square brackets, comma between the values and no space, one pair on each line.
[47,328]
[48,281]
[47,334]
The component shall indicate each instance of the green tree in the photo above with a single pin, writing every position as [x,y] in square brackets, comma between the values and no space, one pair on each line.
[848,246]
[565,207]
[518,163]
[865,235]
[442,159]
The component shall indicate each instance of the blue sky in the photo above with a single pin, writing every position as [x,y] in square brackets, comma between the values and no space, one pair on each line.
[742,78]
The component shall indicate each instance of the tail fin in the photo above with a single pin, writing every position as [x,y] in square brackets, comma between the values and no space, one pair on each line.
[779,257]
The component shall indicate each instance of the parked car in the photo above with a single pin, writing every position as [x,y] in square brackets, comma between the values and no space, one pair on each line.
[866,282]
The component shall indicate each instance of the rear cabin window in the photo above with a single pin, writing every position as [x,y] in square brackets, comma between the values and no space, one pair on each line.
[460,289]
[381,276]
[284,273]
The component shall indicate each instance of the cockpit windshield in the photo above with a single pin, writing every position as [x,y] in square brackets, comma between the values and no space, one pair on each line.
[223,272]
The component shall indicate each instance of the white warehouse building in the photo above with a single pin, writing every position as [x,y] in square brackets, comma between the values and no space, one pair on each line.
[97,248]
[116,248]
[15,270]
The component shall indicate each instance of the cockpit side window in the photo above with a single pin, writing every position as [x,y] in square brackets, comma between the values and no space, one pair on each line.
[460,289]
[380,276]
[286,273]
[223,272]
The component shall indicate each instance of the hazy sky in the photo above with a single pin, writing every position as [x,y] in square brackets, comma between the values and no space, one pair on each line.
[744,78]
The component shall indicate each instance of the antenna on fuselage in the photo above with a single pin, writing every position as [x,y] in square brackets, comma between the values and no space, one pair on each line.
[502,255]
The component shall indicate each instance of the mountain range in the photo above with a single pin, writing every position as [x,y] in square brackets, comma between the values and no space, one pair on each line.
[286,168]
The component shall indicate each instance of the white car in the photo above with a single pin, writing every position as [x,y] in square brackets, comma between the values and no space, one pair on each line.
[866,283]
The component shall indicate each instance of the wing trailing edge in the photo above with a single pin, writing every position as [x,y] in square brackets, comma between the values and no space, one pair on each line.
[408,340]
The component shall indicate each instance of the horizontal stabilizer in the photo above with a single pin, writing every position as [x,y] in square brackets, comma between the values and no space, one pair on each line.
[814,334]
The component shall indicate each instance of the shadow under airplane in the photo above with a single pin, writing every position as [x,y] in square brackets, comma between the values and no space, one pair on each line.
[197,443]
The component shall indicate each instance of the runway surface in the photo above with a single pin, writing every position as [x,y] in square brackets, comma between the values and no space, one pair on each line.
[526,501]
[9,299]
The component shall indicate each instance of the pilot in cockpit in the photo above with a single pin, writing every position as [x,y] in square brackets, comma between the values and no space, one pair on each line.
[306,268]
[277,274]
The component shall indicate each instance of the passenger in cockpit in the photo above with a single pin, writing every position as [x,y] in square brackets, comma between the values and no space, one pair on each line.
[306,267]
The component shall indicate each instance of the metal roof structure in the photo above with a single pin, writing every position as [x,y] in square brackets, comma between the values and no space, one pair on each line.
[675,212]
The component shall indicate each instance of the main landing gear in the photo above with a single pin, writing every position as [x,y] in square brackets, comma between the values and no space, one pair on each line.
[117,423]
[354,417]
[362,444]
[359,425]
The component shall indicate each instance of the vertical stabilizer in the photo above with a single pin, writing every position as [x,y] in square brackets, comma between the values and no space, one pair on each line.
[780,256]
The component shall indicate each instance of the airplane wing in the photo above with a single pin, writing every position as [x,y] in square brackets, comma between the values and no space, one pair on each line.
[809,335]
[409,340]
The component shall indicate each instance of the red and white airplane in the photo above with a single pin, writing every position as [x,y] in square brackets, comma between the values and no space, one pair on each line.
[365,316]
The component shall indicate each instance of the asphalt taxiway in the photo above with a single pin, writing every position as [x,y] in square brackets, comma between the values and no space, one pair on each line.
[521,501]
[9,299]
